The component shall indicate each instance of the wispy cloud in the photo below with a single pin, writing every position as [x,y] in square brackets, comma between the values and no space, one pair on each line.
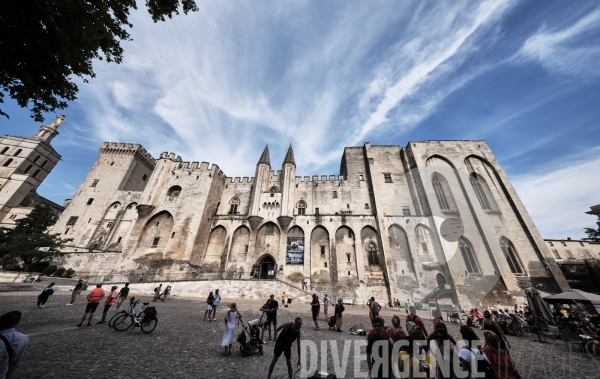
[571,50]
[558,197]
[202,85]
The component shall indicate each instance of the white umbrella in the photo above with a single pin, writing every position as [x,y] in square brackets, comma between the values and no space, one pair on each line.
[574,295]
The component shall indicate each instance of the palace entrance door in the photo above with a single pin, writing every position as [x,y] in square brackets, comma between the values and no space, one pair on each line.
[266,267]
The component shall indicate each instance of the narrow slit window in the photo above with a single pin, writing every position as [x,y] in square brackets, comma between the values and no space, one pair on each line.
[388,177]
[155,242]
[36,172]
[90,201]
[322,249]
[95,183]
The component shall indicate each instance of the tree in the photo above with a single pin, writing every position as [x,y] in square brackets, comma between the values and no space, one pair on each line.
[593,235]
[29,240]
[45,43]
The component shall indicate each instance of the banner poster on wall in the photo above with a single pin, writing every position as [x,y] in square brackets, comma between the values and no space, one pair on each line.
[295,250]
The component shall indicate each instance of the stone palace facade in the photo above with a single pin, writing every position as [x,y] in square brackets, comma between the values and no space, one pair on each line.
[433,219]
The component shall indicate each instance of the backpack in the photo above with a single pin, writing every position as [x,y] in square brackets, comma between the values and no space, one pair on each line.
[149,314]
[410,322]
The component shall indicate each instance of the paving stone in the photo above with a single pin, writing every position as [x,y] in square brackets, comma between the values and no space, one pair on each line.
[182,346]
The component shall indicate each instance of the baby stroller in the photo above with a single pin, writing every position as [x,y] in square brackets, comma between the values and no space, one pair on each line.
[251,343]
[331,322]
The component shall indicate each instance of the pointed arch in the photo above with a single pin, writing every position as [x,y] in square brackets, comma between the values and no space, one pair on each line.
[233,205]
[319,249]
[267,240]
[156,233]
[512,257]
[400,250]
[370,247]
[442,191]
[216,245]
[239,246]
[424,243]
[301,206]
[345,246]
[468,254]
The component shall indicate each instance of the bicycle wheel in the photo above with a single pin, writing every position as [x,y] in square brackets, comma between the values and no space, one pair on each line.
[113,318]
[148,327]
[123,322]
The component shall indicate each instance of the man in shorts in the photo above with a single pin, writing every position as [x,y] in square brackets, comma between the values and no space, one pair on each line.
[93,298]
[290,331]
[273,307]
[265,320]
[76,291]
[110,300]
[123,293]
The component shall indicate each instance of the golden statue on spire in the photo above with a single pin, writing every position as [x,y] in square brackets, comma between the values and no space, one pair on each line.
[57,122]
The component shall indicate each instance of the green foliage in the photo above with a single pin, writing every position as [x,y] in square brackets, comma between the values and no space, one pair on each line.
[49,270]
[44,45]
[69,273]
[593,235]
[59,272]
[30,242]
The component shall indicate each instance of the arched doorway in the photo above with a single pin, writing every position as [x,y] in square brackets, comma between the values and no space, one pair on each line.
[265,267]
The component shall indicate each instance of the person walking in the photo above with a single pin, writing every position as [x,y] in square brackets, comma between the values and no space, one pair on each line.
[93,298]
[315,306]
[167,294]
[264,320]
[14,343]
[123,293]
[216,299]
[337,312]
[283,297]
[157,291]
[375,307]
[230,318]
[273,308]
[110,300]
[406,305]
[209,306]
[325,306]
[489,324]
[290,332]
[46,293]
[76,292]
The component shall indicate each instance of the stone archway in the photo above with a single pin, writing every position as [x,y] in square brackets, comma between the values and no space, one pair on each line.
[265,267]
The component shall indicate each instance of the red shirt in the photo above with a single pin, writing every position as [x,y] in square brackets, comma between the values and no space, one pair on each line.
[110,300]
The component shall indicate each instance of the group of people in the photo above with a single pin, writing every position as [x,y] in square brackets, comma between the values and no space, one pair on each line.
[161,295]
[396,303]
[212,303]
[587,326]
[335,320]
[418,347]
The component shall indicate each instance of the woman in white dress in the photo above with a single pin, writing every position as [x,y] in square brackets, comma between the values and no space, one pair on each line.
[230,317]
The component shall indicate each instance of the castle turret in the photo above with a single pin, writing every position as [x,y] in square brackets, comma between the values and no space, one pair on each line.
[263,170]
[288,184]
[24,164]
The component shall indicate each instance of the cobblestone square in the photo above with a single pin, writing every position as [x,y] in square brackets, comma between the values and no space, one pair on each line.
[182,346]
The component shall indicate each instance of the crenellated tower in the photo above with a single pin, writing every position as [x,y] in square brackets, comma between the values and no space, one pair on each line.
[263,172]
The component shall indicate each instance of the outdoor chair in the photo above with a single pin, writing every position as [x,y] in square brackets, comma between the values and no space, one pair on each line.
[552,331]
[571,338]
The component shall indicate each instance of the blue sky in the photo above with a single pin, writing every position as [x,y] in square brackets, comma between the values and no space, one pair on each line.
[219,84]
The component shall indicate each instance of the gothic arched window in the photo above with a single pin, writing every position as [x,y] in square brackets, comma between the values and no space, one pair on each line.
[439,193]
[511,256]
[485,204]
[233,205]
[469,256]
[372,253]
[301,208]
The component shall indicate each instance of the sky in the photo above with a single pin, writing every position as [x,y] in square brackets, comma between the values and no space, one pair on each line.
[219,84]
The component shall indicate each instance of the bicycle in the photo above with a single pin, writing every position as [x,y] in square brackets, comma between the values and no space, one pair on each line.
[129,310]
[146,324]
